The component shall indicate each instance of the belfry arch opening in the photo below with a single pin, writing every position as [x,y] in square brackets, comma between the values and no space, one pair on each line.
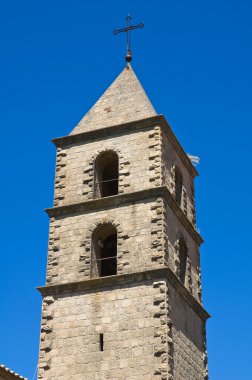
[183,253]
[178,185]
[104,251]
[106,174]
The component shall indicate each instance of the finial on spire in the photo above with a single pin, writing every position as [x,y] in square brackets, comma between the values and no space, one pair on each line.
[128,29]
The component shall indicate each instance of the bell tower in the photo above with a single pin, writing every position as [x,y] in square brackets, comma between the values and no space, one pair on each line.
[122,299]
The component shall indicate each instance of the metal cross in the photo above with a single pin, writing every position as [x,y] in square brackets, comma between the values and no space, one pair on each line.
[128,29]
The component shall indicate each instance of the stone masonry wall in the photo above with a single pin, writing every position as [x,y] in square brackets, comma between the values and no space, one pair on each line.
[149,332]
[188,340]
[146,239]
[174,231]
[133,321]
[139,155]
[171,160]
[146,159]
[140,240]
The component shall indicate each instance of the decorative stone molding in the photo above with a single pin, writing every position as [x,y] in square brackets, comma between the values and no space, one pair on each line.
[86,244]
[188,280]
[135,126]
[160,330]
[205,361]
[60,176]
[184,201]
[170,340]
[176,258]
[199,287]
[166,247]
[189,275]
[172,179]
[46,336]
[193,211]
[155,156]
[161,191]
[124,172]
[53,251]
[106,282]
[159,243]
[89,172]
[163,346]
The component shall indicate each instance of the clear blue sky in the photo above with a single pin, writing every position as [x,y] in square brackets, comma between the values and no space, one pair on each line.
[194,59]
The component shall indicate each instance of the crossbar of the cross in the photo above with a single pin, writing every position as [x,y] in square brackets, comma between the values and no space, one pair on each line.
[131,27]
[127,30]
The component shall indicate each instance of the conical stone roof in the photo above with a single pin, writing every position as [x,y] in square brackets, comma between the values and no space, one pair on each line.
[123,102]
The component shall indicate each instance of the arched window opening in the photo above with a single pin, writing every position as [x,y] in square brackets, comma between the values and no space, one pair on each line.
[178,185]
[182,260]
[106,174]
[104,262]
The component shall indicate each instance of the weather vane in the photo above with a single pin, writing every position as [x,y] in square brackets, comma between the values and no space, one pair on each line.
[128,29]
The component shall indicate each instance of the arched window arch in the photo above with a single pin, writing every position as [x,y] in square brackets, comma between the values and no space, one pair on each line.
[104,251]
[183,253]
[106,174]
[178,185]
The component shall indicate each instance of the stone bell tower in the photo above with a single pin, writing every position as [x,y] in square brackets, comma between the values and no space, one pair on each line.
[122,299]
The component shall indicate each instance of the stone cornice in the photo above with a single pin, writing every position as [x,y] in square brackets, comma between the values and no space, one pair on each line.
[128,278]
[134,126]
[127,198]
[102,133]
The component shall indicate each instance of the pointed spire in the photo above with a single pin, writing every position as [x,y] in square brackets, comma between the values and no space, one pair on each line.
[124,101]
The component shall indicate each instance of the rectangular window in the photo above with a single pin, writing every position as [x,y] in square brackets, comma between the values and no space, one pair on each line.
[101,343]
